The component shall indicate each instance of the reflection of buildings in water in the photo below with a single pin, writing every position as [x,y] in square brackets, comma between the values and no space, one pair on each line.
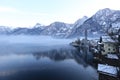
[69,66]
[60,55]
[56,54]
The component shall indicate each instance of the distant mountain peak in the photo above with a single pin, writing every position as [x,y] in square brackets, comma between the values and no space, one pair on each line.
[84,17]
[104,12]
[80,21]
[96,25]
[57,22]
[106,9]
[38,25]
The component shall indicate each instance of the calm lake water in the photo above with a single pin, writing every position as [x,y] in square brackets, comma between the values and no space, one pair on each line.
[36,58]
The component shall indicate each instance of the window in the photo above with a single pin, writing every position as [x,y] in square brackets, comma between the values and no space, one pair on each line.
[103,50]
[82,43]
[108,49]
[113,49]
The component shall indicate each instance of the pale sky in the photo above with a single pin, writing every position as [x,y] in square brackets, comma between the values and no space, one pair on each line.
[26,13]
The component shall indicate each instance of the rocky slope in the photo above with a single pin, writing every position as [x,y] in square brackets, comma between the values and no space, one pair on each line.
[99,23]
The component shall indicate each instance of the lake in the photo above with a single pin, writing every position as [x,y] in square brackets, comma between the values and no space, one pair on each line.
[41,58]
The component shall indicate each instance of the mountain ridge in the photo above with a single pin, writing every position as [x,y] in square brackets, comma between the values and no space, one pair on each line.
[98,24]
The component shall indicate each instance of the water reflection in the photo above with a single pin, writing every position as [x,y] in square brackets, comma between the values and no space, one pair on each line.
[55,64]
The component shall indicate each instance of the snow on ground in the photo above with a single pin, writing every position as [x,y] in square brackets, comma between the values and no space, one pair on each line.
[107,69]
[112,56]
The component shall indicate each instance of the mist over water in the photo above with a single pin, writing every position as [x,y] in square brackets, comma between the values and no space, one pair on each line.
[41,58]
[41,40]
[22,43]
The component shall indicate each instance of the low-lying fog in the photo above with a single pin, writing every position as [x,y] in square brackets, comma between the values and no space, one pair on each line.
[24,44]
[41,40]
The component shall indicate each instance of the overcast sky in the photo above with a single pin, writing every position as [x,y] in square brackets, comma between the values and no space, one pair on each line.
[26,13]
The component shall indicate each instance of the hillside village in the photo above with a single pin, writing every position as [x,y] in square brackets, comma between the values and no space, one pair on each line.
[106,53]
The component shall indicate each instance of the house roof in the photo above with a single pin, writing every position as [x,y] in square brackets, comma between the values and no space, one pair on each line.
[107,39]
[107,68]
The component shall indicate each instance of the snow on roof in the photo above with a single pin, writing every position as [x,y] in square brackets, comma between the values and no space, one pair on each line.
[99,43]
[107,69]
[112,56]
[107,39]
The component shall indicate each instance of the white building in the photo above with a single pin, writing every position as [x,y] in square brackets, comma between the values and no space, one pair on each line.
[109,45]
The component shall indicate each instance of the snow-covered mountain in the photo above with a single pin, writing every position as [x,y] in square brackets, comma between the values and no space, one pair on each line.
[4,30]
[36,30]
[57,29]
[80,21]
[61,29]
[107,18]
[101,22]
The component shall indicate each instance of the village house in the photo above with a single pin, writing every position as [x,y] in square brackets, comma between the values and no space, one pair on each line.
[109,45]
